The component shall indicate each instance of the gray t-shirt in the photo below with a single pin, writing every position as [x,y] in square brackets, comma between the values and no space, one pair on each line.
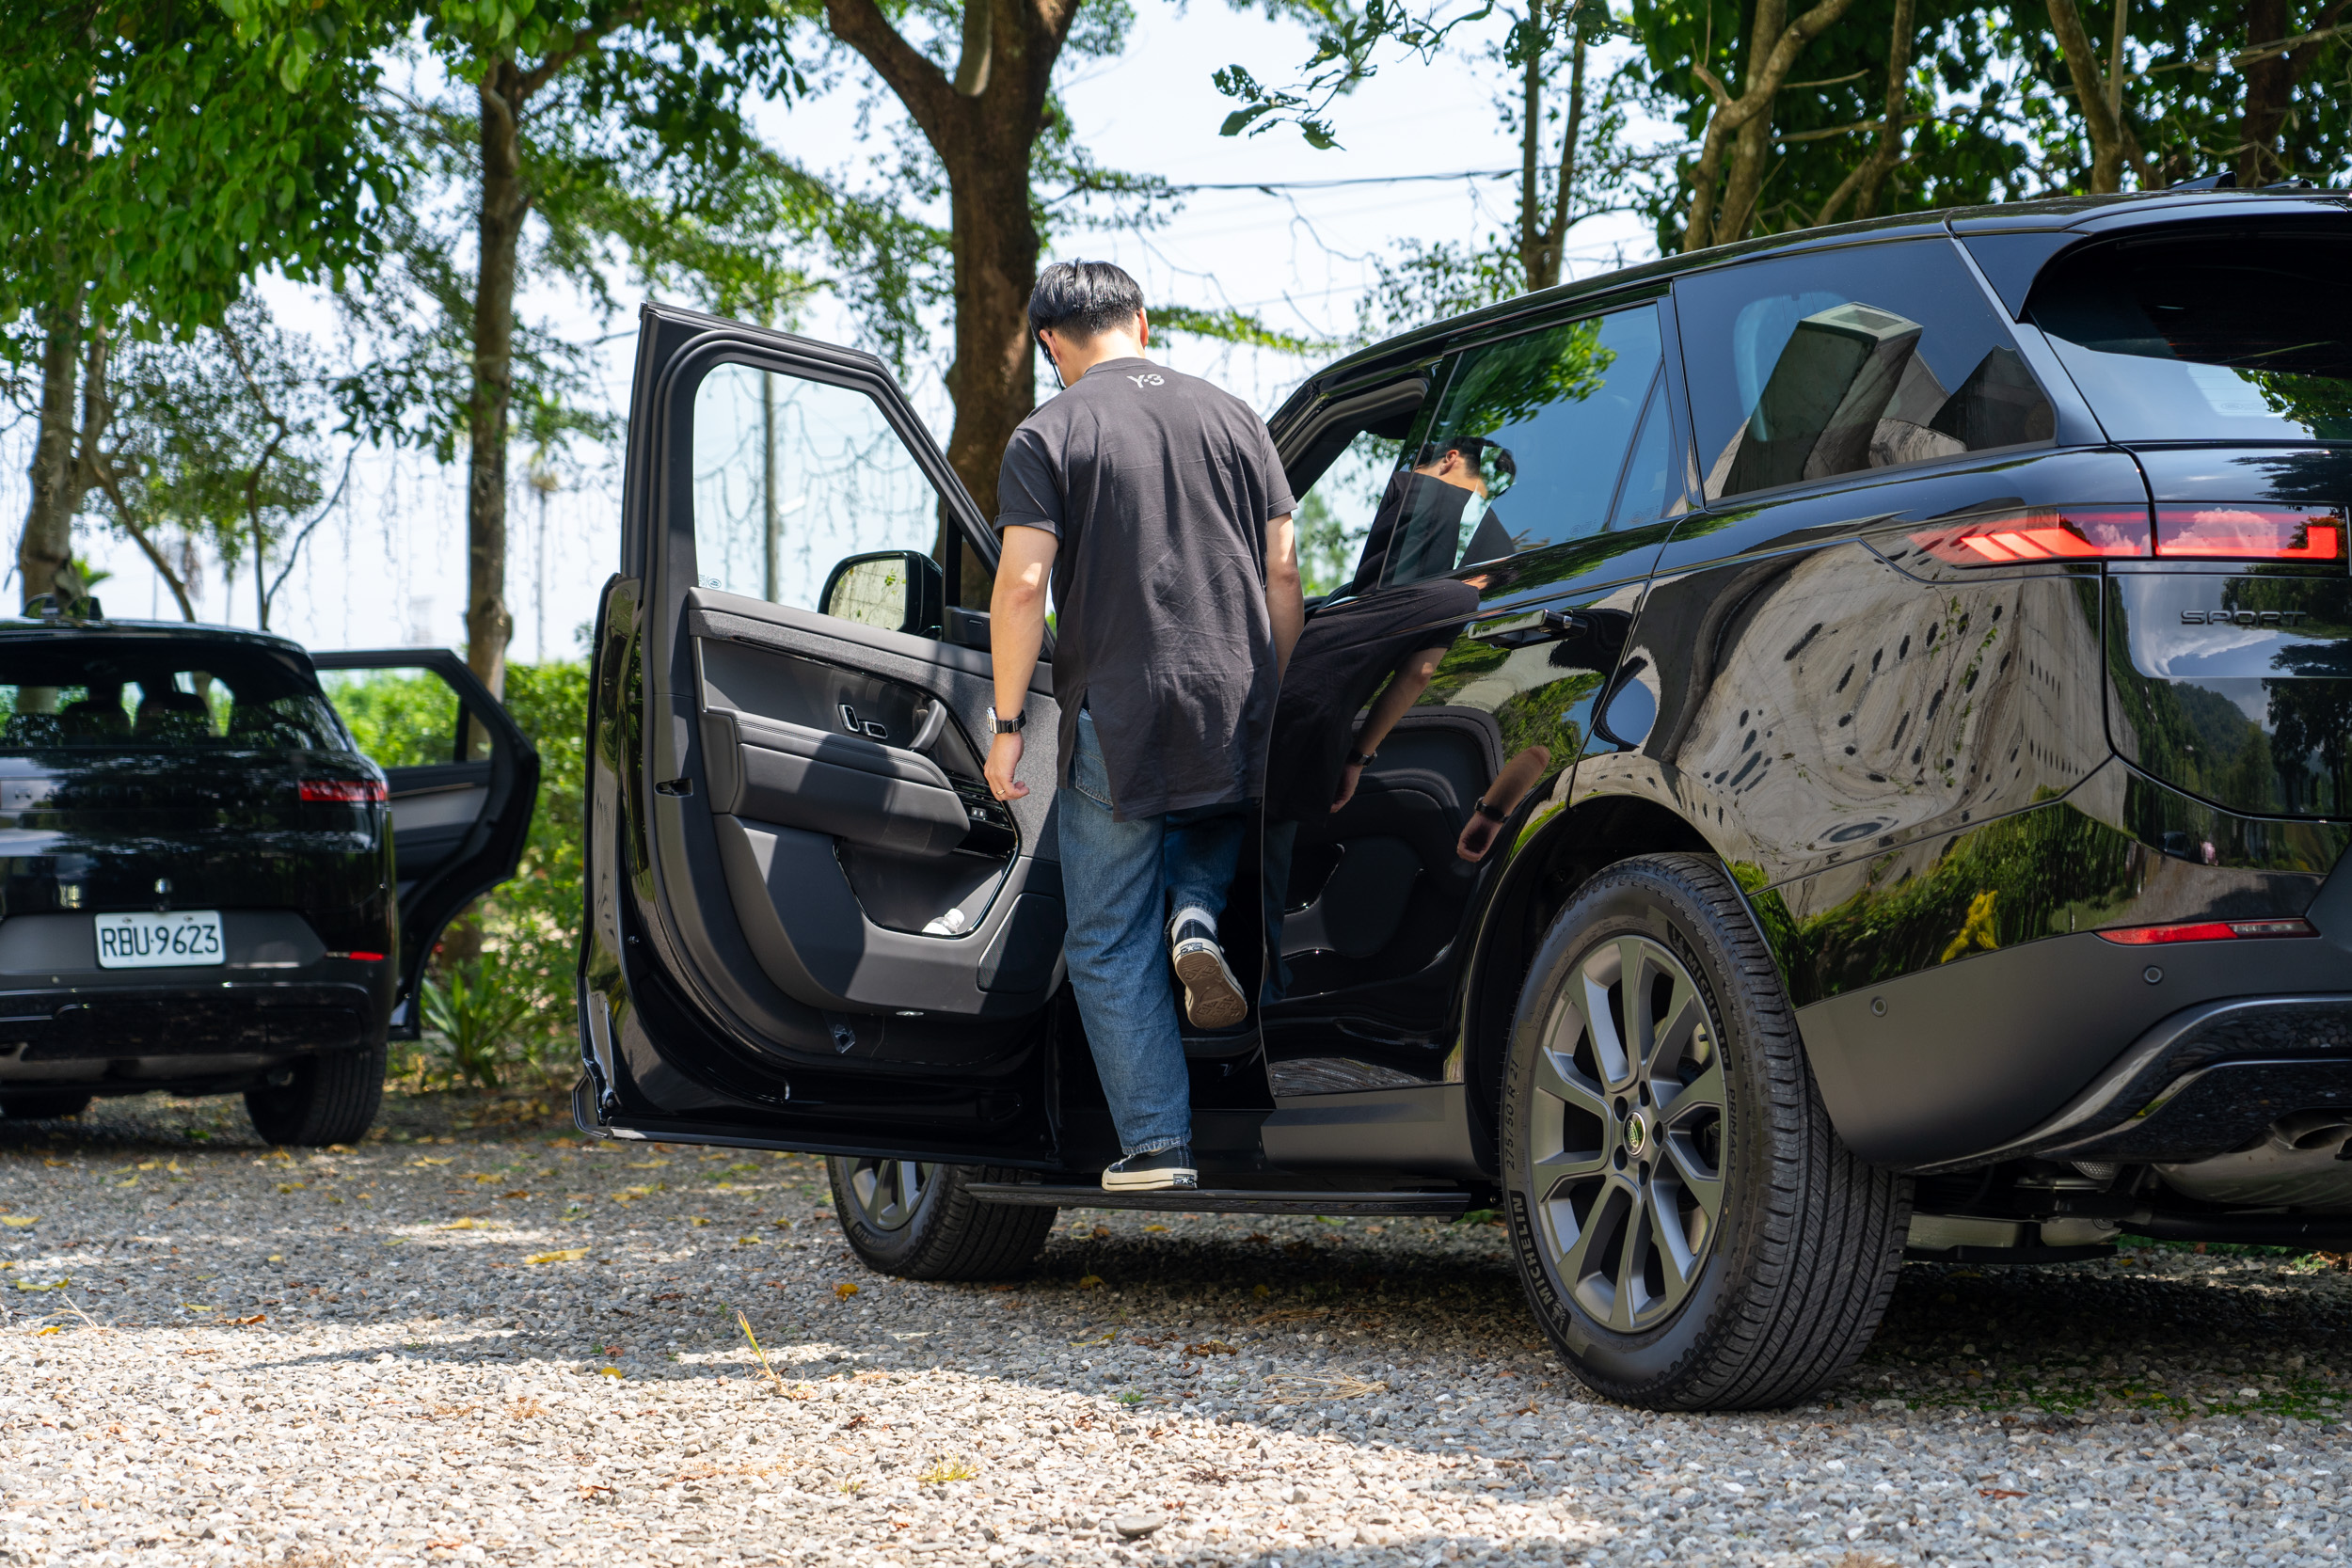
[1159,486]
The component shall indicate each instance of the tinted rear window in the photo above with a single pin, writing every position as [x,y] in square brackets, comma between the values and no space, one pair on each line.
[152,694]
[1874,356]
[2236,336]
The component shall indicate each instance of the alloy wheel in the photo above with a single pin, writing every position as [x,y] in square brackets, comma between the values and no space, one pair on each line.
[1625,1146]
[888,1192]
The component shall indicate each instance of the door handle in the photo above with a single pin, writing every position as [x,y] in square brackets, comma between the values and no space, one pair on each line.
[1552,626]
[927,729]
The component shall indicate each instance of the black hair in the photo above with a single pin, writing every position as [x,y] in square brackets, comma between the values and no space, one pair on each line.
[1488,457]
[1082,298]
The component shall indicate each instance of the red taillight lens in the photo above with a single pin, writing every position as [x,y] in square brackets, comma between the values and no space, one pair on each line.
[2250,533]
[343,792]
[2057,533]
[2211,931]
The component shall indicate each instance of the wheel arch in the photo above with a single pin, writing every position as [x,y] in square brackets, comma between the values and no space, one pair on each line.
[1546,872]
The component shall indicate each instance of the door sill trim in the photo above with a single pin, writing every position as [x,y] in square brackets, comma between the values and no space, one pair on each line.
[1225,1200]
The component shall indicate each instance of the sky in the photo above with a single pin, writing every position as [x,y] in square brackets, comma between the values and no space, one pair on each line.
[387,568]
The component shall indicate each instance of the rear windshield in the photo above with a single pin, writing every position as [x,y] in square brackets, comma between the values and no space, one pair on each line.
[157,694]
[2232,337]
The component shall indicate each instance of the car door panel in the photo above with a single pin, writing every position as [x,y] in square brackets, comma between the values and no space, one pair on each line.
[461,800]
[820,930]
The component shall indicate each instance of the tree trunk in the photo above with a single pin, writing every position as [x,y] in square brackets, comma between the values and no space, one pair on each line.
[2269,90]
[994,379]
[1868,178]
[2100,118]
[1773,49]
[504,204]
[1543,239]
[982,124]
[47,546]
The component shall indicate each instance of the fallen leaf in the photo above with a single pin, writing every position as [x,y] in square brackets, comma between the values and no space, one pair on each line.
[467,1222]
[53,1328]
[1092,1282]
[430,1160]
[514,1194]
[1210,1347]
[842,1291]
[52,1285]
[17,1222]
[566,1255]
[1996,1492]
[247,1322]
[610,1372]
[1155,1227]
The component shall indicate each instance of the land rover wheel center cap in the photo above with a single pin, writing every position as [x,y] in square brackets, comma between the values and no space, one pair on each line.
[1636,1133]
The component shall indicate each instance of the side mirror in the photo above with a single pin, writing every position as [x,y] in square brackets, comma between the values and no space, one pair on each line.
[892,589]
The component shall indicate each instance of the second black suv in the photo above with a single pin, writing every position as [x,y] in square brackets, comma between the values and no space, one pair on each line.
[207,888]
[1860,721]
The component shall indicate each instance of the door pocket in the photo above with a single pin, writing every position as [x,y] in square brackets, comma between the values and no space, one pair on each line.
[839,785]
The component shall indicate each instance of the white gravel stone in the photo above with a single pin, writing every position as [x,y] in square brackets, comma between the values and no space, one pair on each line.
[217,1354]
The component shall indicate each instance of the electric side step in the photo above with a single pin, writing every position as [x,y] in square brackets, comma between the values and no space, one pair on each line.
[1223,1200]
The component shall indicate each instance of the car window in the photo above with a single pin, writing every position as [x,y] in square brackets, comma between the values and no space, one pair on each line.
[792,477]
[1526,446]
[1807,367]
[401,718]
[2209,336]
[159,695]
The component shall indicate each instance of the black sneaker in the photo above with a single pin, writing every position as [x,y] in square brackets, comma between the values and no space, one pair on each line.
[1156,1172]
[1213,998]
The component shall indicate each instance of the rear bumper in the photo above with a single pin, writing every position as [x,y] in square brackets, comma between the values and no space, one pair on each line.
[115,1037]
[2204,1082]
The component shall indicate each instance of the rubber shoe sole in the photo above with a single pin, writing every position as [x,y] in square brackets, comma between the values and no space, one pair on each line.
[1178,1176]
[1213,998]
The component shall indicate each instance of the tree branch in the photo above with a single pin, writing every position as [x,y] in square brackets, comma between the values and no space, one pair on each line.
[921,86]
[584,41]
[975,55]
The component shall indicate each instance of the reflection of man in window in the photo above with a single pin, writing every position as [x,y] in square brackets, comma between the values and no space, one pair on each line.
[1437,514]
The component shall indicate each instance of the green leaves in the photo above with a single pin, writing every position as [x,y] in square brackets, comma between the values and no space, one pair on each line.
[156,169]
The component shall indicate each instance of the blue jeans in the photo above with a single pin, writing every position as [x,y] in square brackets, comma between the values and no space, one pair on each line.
[1117,879]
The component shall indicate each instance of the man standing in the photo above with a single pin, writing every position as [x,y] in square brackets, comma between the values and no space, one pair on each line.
[1157,506]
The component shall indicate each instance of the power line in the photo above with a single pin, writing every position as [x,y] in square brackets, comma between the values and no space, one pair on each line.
[1271,185]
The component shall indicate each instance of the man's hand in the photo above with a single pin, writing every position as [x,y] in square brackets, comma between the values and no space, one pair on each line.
[1004,760]
[1348,777]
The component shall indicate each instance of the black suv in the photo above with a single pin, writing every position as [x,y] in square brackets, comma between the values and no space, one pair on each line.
[202,890]
[1863,746]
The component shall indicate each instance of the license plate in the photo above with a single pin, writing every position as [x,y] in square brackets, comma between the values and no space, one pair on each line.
[172,940]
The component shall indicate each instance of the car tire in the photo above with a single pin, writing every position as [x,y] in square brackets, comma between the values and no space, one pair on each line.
[33,1105]
[333,1100]
[1690,1231]
[921,1222]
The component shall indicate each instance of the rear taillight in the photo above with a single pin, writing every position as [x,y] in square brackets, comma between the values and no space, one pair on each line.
[2211,931]
[2180,533]
[2055,534]
[2250,533]
[343,792]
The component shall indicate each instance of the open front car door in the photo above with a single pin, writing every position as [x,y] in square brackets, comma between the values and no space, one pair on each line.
[810,925]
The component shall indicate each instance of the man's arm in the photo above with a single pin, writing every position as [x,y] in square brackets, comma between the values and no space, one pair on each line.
[1285,606]
[1016,631]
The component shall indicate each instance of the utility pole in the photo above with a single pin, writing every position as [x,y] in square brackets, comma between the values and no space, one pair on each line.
[771,514]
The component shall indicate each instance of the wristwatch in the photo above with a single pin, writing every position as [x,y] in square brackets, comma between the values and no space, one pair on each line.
[1014,725]
[1358,759]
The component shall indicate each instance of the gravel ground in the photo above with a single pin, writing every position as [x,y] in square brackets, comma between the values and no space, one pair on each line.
[510,1346]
